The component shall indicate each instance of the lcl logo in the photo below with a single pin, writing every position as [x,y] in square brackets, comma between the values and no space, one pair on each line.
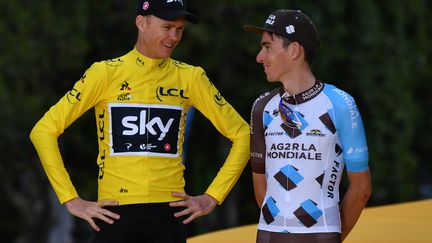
[73,96]
[161,92]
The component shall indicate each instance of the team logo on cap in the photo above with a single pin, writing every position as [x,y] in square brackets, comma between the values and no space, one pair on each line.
[290,29]
[271,19]
[146,5]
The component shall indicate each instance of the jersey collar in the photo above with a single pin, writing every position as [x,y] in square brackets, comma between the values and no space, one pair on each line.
[305,95]
[146,61]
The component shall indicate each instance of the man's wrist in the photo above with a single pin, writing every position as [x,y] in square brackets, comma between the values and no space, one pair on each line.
[213,200]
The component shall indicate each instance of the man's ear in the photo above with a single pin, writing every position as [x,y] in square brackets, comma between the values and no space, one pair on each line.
[140,22]
[295,50]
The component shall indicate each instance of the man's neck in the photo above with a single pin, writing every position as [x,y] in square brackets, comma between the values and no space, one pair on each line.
[298,82]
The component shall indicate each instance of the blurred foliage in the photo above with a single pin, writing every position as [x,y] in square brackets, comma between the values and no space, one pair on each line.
[377,51]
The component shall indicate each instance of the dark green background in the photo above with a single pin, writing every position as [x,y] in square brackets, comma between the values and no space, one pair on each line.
[378,51]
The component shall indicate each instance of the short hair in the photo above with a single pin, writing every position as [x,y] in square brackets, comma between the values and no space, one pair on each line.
[309,54]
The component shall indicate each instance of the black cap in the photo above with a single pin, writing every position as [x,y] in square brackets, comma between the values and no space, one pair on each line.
[165,9]
[291,24]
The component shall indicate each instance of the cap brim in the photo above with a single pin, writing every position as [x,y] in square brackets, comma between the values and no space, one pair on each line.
[192,18]
[253,29]
[172,15]
[257,29]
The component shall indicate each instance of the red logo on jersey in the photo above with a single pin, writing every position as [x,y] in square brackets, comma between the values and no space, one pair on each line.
[82,79]
[167,147]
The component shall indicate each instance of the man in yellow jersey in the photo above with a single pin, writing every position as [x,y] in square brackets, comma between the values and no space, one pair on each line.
[141,100]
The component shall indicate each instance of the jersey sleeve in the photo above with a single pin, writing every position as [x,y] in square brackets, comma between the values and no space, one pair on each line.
[257,143]
[44,135]
[208,100]
[351,132]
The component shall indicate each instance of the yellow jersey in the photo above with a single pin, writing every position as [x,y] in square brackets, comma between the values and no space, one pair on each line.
[140,107]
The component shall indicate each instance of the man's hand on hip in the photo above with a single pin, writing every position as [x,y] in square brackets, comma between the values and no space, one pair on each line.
[88,210]
[195,206]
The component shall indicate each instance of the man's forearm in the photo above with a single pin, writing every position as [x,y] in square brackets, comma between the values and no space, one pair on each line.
[352,205]
[260,187]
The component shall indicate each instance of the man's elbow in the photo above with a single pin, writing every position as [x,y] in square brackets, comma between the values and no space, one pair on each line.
[259,200]
[32,134]
[364,192]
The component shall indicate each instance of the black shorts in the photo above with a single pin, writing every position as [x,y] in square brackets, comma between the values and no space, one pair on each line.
[142,223]
[276,237]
